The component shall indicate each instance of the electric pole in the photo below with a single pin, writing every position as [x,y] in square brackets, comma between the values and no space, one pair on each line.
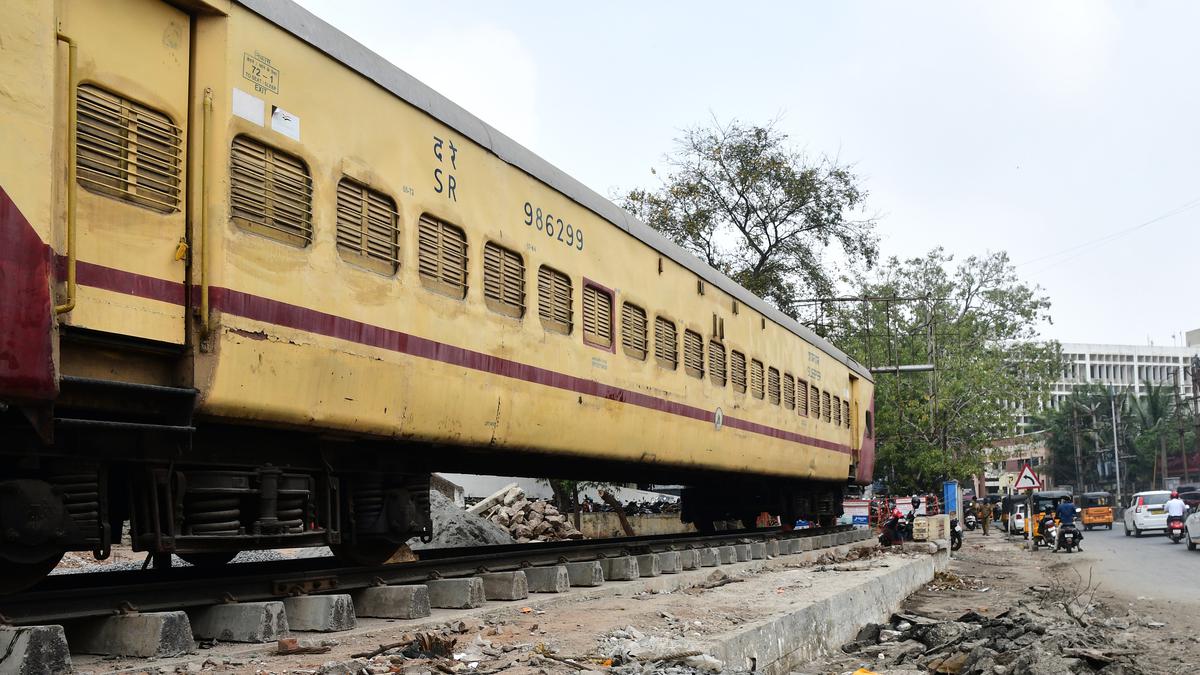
[1116,450]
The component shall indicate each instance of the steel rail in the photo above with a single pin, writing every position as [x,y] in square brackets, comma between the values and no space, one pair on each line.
[66,597]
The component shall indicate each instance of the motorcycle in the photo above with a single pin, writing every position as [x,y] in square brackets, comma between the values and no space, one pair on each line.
[971,521]
[1047,531]
[1067,537]
[956,534]
[1175,529]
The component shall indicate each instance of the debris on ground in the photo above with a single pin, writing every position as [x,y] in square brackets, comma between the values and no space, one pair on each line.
[528,520]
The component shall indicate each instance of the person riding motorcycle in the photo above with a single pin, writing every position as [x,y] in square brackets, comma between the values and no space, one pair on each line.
[1176,508]
[1066,519]
[893,529]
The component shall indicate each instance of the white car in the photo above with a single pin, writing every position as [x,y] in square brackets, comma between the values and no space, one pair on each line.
[1191,530]
[1146,512]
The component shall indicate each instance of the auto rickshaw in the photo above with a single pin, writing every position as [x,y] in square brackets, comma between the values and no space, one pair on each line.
[1041,500]
[1097,509]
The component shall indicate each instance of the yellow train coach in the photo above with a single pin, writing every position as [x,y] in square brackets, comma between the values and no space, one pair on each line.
[256,283]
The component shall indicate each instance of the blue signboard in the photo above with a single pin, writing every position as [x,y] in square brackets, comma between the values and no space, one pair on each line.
[950,496]
[861,520]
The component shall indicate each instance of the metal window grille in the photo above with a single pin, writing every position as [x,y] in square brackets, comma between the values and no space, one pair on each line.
[368,227]
[837,411]
[442,257]
[738,366]
[716,363]
[127,151]
[773,385]
[666,343]
[554,301]
[846,413]
[597,317]
[693,353]
[789,391]
[802,398]
[825,411]
[756,378]
[814,402]
[270,192]
[633,331]
[503,280]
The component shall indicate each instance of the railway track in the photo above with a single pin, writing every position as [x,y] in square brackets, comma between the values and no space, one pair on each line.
[66,597]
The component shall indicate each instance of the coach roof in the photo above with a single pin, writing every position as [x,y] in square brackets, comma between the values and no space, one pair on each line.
[341,47]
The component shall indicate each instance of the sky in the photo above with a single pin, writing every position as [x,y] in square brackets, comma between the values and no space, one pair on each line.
[1063,132]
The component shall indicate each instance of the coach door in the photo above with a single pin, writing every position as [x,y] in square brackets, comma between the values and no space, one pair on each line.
[129,84]
[855,423]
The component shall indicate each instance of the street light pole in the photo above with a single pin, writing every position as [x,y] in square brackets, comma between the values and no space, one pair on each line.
[1116,453]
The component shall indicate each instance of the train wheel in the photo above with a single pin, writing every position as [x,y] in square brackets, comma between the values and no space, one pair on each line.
[366,553]
[215,559]
[18,576]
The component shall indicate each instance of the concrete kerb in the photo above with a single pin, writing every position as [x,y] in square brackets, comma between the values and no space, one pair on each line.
[392,602]
[503,610]
[505,585]
[464,593]
[824,625]
[743,552]
[728,554]
[670,562]
[552,579]
[709,557]
[689,559]
[623,568]
[758,550]
[159,634]
[585,574]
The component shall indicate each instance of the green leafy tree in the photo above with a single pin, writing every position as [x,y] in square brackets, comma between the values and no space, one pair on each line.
[743,200]
[976,323]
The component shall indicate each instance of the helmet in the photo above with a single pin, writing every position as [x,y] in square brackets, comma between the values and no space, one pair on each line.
[916,501]
[1174,494]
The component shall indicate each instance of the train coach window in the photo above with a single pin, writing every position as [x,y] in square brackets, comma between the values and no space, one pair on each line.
[368,231]
[825,410]
[127,151]
[554,301]
[756,378]
[773,386]
[633,331]
[666,343]
[503,280]
[270,192]
[442,257]
[814,401]
[870,425]
[693,353]
[846,413]
[789,391]
[597,316]
[716,363]
[837,412]
[802,398]
[738,368]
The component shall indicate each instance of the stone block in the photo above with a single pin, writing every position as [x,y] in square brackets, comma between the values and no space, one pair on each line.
[392,602]
[807,543]
[669,562]
[624,568]
[710,557]
[758,550]
[773,550]
[742,551]
[585,574]
[320,613]
[505,585]
[648,565]
[689,559]
[728,554]
[159,634]
[553,579]
[240,622]
[464,593]
[32,650]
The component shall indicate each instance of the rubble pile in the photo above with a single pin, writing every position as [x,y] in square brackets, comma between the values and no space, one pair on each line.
[1021,641]
[454,527]
[530,520]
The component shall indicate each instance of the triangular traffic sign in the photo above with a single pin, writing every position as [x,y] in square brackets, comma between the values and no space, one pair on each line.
[1027,480]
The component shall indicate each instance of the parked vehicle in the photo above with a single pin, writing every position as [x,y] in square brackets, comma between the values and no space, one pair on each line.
[1016,522]
[1191,530]
[1046,528]
[1146,512]
[956,534]
[1097,509]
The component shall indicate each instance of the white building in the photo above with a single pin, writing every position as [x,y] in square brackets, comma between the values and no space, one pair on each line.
[1126,367]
